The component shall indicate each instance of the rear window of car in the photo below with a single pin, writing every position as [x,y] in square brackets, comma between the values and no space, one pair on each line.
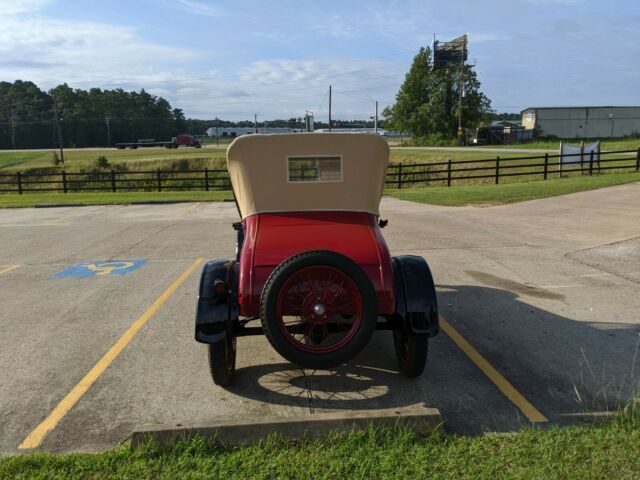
[314,169]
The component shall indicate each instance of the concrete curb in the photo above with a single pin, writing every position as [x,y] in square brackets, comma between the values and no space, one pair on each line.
[157,202]
[243,432]
[50,205]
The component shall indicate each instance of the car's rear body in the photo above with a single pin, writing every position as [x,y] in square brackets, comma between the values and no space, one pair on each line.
[271,238]
[312,266]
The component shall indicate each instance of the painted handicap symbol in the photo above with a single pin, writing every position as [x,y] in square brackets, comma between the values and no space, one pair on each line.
[103,269]
[100,269]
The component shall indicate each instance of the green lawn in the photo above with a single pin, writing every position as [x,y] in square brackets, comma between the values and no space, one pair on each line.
[452,196]
[13,160]
[606,450]
[13,200]
[143,158]
[509,193]
[416,155]
[632,143]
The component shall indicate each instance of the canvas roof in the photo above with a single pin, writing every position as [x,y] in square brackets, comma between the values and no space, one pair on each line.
[259,174]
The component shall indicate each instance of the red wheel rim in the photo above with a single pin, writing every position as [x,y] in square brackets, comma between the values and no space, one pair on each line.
[319,309]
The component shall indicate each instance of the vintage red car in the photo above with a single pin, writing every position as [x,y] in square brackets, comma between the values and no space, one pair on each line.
[312,265]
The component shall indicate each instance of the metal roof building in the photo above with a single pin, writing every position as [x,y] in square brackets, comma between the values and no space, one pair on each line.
[583,122]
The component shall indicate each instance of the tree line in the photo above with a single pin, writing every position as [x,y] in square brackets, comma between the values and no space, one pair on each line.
[33,118]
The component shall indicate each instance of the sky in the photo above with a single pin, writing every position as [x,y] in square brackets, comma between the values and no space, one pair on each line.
[234,59]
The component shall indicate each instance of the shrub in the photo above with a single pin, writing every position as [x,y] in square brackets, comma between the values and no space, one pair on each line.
[434,140]
[181,165]
[55,159]
[102,162]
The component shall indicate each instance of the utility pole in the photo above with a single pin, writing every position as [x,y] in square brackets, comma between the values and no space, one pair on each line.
[461,92]
[55,109]
[329,107]
[217,122]
[255,121]
[265,127]
[107,120]
[375,122]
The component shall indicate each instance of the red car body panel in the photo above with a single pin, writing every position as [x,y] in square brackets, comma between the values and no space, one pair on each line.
[271,238]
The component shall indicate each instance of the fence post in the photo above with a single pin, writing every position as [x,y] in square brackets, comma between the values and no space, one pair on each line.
[546,165]
[19,178]
[64,181]
[591,163]
[638,160]
[158,177]
[400,175]
[113,181]
[497,170]
[449,173]
[206,179]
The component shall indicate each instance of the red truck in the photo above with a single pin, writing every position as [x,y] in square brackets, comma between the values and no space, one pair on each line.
[183,139]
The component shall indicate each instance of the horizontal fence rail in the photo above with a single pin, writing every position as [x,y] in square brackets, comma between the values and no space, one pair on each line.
[399,175]
[492,170]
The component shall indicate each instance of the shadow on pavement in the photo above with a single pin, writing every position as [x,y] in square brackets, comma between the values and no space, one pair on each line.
[565,367]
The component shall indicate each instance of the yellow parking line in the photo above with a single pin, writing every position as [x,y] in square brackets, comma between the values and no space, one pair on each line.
[34,439]
[8,269]
[529,411]
[181,214]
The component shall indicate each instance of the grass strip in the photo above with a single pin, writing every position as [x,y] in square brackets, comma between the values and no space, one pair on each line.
[508,193]
[122,198]
[606,450]
[451,196]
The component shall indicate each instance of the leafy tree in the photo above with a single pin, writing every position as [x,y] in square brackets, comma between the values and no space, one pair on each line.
[180,122]
[428,100]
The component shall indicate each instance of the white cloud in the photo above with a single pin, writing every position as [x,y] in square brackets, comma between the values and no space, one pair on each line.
[17,7]
[50,52]
[85,54]
[375,19]
[199,8]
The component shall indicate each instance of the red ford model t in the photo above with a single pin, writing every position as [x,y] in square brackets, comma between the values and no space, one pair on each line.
[312,266]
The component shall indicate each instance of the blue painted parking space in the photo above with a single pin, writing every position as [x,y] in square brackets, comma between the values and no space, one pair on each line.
[100,269]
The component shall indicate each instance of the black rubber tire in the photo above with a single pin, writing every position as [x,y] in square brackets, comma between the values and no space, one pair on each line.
[222,361]
[411,351]
[268,309]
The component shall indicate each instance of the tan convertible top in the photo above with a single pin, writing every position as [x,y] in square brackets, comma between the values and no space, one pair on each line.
[308,171]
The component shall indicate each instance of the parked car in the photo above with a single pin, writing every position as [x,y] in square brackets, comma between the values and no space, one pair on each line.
[312,270]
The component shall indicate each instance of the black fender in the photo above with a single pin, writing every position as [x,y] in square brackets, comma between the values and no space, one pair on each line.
[216,312]
[416,302]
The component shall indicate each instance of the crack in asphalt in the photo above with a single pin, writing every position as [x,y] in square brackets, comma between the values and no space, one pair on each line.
[307,385]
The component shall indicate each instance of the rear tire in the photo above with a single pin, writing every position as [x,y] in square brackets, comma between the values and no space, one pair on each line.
[222,361]
[312,282]
[411,350]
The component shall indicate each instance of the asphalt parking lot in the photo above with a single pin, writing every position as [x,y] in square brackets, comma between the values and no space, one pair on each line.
[540,302]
